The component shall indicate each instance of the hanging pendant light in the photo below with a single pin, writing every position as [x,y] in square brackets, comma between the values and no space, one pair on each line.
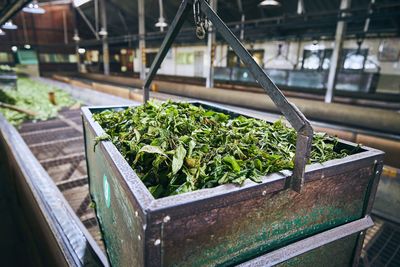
[103,32]
[2,32]
[269,3]
[161,20]
[76,37]
[34,8]
[9,25]
[161,24]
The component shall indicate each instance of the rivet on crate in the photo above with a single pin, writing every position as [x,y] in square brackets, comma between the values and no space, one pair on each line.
[166,219]
[157,242]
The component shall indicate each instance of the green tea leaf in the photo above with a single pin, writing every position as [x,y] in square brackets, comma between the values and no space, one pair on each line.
[232,161]
[152,150]
[178,158]
[179,147]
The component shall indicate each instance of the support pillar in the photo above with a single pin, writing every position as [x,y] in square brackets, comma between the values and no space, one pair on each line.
[76,38]
[142,41]
[103,32]
[211,50]
[334,65]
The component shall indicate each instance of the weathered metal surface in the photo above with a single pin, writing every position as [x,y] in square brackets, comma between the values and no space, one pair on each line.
[51,229]
[230,230]
[336,254]
[52,134]
[117,211]
[318,249]
[387,202]
[64,160]
[228,224]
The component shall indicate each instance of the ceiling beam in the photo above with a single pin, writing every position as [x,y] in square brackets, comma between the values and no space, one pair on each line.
[11,9]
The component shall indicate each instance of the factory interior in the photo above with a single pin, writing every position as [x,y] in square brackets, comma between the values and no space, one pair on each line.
[200,133]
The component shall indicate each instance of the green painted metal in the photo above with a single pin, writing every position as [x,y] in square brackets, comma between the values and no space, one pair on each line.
[250,228]
[338,253]
[122,231]
[224,225]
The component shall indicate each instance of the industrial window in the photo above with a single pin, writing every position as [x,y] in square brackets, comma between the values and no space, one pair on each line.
[354,59]
[185,58]
[5,57]
[150,56]
[234,61]
[92,56]
[316,59]
[351,59]
[57,58]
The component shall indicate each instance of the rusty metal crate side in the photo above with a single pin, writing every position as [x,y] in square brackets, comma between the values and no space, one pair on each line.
[226,230]
[339,243]
[336,254]
[115,206]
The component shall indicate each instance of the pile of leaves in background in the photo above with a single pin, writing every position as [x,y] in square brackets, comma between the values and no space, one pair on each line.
[6,68]
[32,95]
[179,147]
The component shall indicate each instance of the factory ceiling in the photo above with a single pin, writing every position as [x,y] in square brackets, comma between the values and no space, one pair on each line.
[9,7]
[319,18]
[317,21]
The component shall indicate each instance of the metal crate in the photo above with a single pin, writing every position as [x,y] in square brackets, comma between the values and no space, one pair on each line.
[227,224]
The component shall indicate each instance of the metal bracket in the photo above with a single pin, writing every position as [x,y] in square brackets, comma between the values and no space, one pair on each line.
[292,114]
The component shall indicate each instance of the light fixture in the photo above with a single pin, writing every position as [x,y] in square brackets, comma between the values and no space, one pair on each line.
[81,50]
[76,37]
[27,46]
[34,8]
[78,3]
[161,23]
[9,25]
[2,32]
[315,46]
[14,48]
[269,3]
[161,20]
[103,32]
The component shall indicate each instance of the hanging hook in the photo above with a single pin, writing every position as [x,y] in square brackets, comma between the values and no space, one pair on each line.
[200,20]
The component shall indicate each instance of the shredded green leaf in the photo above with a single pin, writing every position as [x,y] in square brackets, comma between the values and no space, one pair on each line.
[180,147]
[32,95]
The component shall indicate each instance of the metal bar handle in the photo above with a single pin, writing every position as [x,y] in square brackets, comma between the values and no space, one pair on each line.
[173,31]
[292,114]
